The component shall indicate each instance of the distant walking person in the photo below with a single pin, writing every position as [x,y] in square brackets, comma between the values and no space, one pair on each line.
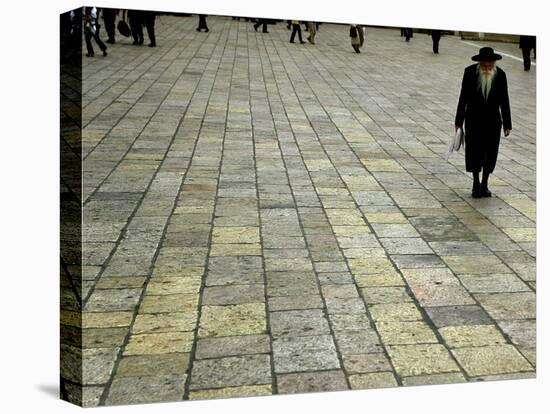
[263,23]
[526,43]
[408,32]
[296,29]
[91,30]
[484,108]
[135,20]
[109,17]
[355,37]
[436,37]
[149,20]
[202,23]
[312,30]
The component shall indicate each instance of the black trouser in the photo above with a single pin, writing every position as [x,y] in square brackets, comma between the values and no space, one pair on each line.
[135,19]
[296,29]
[408,33]
[436,36]
[263,23]
[149,18]
[88,35]
[202,22]
[109,16]
[526,51]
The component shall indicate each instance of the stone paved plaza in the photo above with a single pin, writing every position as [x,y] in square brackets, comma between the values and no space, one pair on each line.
[262,217]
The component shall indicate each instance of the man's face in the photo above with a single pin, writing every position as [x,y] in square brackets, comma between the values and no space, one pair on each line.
[487,67]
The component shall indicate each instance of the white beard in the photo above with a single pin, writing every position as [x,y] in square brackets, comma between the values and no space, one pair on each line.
[485,81]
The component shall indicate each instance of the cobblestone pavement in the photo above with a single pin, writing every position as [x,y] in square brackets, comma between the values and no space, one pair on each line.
[263,217]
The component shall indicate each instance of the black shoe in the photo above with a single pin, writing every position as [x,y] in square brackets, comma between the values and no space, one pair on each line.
[197,29]
[110,41]
[206,31]
[105,52]
[265,31]
[485,192]
[292,41]
[140,42]
[152,45]
[302,42]
[135,43]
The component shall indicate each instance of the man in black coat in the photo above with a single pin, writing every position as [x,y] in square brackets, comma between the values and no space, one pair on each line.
[484,107]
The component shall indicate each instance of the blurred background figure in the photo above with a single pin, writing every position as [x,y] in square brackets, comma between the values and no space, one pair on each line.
[408,33]
[312,29]
[91,30]
[263,23]
[296,29]
[436,37]
[526,43]
[354,30]
[202,23]
[149,20]
[135,19]
[109,17]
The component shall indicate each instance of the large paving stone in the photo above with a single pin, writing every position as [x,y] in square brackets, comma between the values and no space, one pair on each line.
[491,360]
[218,347]
[421,359]
[311,382]
[231,372]
[232,320]
[146,389]
[304,353]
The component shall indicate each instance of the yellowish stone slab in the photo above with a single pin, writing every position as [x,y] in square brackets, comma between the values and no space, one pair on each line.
[395,312]
[244,319]
[231,392]
[370,265]
[421,359]
[173,285]
[165,322]
[106,319]
[364,252]
[160,343]
[404,333]
[169,303]
[521,234]
[390,278]
[471,335]
[237,249]
[373,380]
[491,360]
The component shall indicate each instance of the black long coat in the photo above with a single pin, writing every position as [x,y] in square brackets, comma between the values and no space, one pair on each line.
[483,118]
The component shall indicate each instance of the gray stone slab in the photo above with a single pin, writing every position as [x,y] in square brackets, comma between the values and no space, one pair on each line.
[232,346]
[458,315]
[311,382]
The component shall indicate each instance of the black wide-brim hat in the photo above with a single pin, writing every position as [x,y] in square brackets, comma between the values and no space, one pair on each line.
[486,54]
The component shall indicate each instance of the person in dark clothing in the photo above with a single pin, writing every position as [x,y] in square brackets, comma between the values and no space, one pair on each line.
[91,30]
[408,32]
[135,20]
[296,29]
[526,43]
[109,17]
[263,23]
[202,23]
[484,108]
[436,37]
[149,20]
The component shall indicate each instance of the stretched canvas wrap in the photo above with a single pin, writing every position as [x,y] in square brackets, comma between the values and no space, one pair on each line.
[253,207]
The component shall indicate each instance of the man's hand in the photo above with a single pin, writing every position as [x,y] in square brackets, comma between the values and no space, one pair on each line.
[507,132]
